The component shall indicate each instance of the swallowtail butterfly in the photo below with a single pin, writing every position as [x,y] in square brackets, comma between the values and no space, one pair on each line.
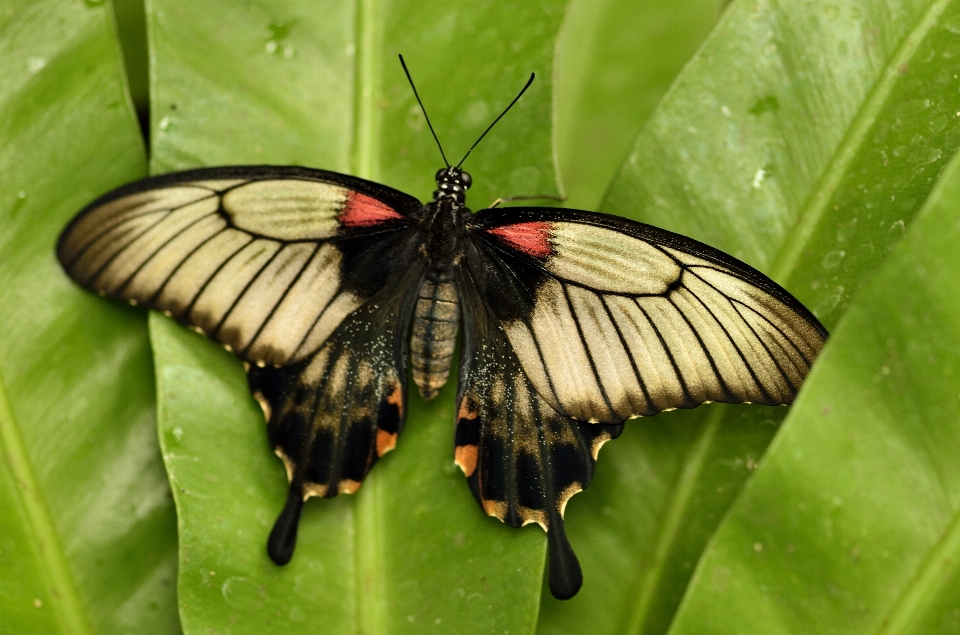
[331,287]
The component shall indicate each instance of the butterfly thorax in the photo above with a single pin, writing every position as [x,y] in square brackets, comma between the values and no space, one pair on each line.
[437,312]
[445,216]
[444,225]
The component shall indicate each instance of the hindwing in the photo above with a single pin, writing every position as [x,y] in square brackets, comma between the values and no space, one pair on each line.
[522,458]
[331,416]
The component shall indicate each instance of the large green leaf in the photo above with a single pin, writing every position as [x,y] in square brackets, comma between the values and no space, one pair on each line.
[293,82]
[87,534]
[802,137]
[615,61]
[852,522]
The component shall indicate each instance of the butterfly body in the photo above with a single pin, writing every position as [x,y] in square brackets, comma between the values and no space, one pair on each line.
[437,312]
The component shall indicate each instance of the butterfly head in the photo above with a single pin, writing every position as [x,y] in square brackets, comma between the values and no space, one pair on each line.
[452,183]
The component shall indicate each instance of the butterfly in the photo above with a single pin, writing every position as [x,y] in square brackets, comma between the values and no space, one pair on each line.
[332,288]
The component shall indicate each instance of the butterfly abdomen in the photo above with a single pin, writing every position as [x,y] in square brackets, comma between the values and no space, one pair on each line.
[434,332]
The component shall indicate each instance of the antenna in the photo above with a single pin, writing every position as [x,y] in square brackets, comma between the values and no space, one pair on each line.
[519,95]
[417,95]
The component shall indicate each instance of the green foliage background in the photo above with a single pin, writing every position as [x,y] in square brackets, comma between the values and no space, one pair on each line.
[812,140]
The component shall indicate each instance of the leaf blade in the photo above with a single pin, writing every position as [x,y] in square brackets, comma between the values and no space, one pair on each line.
[76,373]
[881,526]
[733,156]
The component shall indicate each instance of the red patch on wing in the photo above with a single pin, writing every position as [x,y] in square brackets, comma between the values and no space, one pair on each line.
[531,238]
[365,211]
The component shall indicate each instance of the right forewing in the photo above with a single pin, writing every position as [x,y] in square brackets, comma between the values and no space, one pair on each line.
[612,319]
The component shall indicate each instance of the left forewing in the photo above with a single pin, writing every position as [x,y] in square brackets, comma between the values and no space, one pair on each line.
[265,260]
[612,319]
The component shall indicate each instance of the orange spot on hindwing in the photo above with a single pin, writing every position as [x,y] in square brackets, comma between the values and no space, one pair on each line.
[467,438]
[395,398]
[465,456]
[348,486]
[386,441]
[390,418]
[497,509]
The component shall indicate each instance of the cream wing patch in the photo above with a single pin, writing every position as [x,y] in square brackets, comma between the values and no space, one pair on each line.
[607,260]
[304,303]
[173,248]
[286,209]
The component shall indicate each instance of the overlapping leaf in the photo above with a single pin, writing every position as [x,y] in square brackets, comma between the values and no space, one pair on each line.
[852,523]
[803,138]
[87,531]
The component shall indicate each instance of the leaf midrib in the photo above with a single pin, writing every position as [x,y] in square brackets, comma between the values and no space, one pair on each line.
[682,493]
[368,554]
[64,599]
[822,194]
[921,592]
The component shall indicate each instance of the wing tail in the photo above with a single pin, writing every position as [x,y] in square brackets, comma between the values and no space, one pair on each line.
[283,537]
[522,459]
[331,417]
[566,578]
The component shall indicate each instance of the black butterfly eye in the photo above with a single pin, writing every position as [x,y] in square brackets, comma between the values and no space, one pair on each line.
[440,174]
[466,179]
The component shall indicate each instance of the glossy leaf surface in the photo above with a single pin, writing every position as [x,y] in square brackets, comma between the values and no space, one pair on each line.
[852,522]
[87,528]
[802,138]
[615,61]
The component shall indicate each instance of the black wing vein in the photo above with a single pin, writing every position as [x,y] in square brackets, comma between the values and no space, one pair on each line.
[250,280]
[633,362]
[586,349]
[286,291]
[673,362]
[166,243]
[733,342]
[216,271]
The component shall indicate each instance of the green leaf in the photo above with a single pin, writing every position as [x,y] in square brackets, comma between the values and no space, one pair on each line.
[802,138]
[87,530]
[615,61]
[852,522]
[321,86]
